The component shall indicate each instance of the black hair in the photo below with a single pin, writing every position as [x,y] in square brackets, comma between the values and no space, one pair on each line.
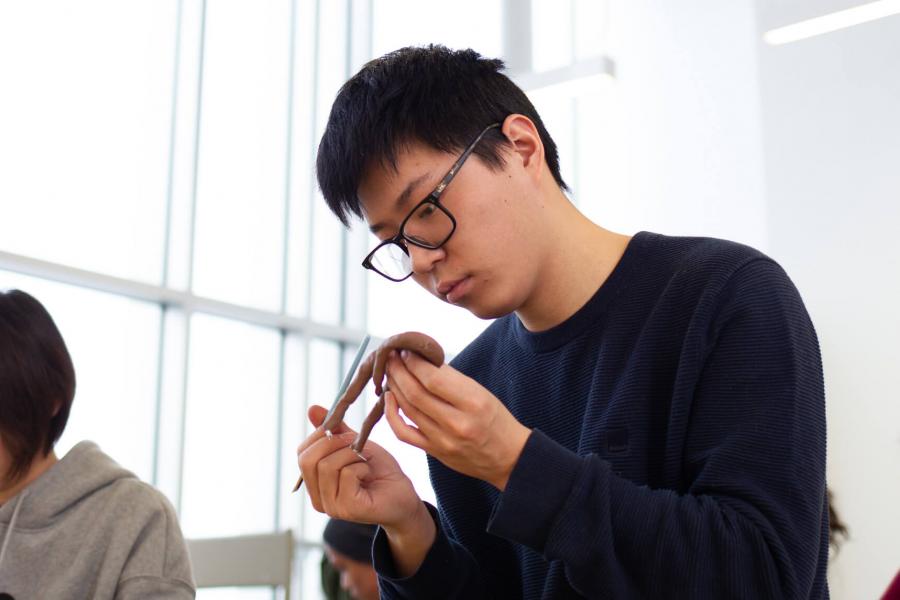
[432,95]
[37,381]
[353,540]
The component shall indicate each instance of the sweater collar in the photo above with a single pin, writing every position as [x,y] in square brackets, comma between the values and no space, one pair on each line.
[592,314]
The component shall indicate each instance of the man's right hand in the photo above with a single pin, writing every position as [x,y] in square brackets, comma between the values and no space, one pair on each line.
[374,490]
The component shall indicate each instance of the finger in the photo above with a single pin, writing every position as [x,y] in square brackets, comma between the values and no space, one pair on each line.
[329,476]
[316,414]
[348,505]
[310,458]
[422,421]
[423,370]
[413,392]
[404,431]
[445,382]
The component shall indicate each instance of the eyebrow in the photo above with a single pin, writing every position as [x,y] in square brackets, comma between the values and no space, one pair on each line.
[402,199]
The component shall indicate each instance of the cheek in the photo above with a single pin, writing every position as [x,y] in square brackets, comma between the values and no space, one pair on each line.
[365,580]
[493,231]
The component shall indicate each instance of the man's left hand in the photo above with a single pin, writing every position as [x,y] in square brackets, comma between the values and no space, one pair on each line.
[455,419]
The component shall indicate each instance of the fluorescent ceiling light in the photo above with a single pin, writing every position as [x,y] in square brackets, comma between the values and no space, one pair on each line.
[832,22]
[584,72]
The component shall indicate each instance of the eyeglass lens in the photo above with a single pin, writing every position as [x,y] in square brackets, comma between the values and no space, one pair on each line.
[392,260]
[428,226]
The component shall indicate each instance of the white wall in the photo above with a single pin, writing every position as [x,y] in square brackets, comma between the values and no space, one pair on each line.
[831,108]
[687,92]
[796,150]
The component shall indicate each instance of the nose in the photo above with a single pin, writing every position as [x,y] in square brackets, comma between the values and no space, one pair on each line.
[423,259]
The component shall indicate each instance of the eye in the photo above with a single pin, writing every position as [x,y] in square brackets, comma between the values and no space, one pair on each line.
[426,211]
[418,240]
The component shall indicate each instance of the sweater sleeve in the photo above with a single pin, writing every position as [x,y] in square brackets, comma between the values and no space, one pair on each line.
[448,571]
[748,522]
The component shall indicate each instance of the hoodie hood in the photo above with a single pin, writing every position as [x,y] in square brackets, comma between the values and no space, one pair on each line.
[81,472]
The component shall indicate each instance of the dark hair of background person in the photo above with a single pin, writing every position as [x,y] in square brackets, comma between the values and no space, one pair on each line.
[37,381]
[432,95]
[353,540]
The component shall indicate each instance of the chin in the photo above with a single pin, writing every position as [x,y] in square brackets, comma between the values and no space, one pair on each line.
[483,307]
[488,312]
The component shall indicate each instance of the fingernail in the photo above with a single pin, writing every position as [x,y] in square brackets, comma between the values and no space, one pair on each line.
[404,354]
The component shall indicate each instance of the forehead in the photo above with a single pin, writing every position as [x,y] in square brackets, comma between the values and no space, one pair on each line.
[387,192]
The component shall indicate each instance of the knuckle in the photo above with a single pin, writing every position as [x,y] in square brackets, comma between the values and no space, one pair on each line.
[304,445]
[398,428]
[450,449]
[304,462]
[437,383]
[463,429]
[404,435]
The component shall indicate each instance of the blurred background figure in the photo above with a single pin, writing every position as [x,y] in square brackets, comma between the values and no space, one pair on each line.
[347,572]
[837,529]
[116,536]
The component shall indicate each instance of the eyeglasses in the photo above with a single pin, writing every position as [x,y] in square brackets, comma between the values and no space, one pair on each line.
[429,225]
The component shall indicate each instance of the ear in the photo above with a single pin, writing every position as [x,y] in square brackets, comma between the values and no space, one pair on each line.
[526,143]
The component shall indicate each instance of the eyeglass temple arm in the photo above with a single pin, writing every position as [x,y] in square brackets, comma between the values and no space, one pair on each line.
[459,162]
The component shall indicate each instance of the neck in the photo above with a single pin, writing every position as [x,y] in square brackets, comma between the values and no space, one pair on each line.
[38,467]
[578,259]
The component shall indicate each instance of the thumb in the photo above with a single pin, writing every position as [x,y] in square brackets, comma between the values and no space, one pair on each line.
[317,415]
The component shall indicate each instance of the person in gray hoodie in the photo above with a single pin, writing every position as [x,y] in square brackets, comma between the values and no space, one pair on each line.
[80,526]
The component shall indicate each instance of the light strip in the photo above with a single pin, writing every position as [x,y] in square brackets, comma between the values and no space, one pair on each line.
[598,66]
[841,19]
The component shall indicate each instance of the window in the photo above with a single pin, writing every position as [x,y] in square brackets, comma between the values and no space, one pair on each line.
[158,196]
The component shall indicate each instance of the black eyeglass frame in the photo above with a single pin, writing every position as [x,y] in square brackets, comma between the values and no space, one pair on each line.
[433,198]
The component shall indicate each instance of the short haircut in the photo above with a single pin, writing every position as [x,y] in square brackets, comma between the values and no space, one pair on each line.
[432,95]
[37,381]
[353,540]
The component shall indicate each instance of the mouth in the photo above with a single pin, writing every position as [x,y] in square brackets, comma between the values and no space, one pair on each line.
[452,291]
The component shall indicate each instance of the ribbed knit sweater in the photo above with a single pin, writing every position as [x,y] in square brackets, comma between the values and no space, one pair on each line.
[678,444]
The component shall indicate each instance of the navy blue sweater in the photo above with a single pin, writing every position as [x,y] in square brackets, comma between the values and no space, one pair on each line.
[678,445]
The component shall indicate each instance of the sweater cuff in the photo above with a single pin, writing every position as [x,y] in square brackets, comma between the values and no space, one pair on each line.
[435,572]
[536,492]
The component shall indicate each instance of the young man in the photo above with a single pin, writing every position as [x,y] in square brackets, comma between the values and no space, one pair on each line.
[80,526]
[644,419]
